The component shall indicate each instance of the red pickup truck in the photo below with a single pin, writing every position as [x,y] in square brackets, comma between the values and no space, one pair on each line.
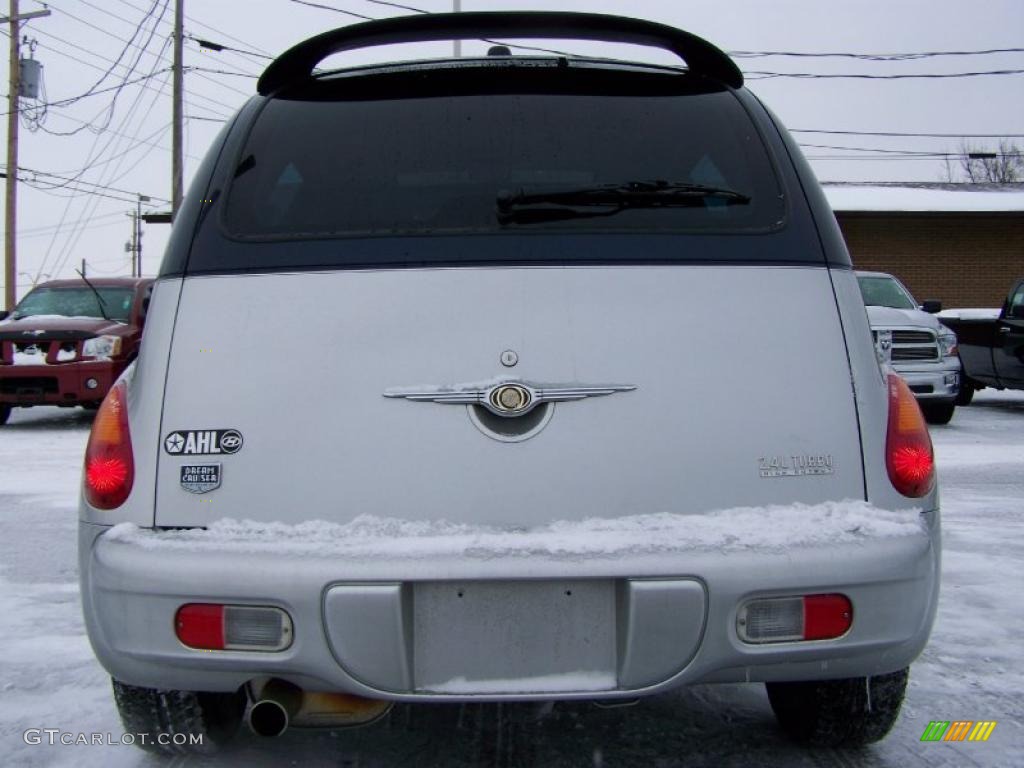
[67,341]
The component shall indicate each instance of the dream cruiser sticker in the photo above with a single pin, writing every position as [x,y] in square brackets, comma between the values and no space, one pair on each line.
[203,442]
[200,478]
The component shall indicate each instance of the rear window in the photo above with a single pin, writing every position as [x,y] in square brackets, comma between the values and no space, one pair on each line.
[426,165]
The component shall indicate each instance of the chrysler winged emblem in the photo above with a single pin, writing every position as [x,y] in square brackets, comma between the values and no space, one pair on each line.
[507,398]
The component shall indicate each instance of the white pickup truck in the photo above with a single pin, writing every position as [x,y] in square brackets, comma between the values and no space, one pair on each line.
[910,339]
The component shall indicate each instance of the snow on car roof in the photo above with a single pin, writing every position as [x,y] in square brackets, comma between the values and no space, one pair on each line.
[925,198]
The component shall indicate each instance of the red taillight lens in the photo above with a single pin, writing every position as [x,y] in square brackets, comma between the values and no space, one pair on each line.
[908,448]
[109,466]
[826,616]
[201,625]
[216,627]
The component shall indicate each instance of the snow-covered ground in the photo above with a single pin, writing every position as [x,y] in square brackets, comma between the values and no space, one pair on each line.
[973,668]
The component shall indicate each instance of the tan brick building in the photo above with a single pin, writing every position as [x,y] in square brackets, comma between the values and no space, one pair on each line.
[962,244]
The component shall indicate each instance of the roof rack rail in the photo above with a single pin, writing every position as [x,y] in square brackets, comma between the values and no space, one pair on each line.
[297,63]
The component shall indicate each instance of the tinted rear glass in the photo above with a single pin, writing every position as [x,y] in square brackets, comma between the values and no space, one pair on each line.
[437,164]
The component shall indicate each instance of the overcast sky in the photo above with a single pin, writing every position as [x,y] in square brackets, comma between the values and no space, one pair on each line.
[128,147]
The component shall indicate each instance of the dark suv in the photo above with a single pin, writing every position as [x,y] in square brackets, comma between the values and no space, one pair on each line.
[511,378]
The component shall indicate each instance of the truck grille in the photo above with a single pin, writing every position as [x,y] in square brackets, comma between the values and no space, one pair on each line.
[914,346]
[39,352]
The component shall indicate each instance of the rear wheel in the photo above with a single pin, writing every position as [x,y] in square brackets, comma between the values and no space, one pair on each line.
[179,722]
[849,712]
[938,413]
[5,412]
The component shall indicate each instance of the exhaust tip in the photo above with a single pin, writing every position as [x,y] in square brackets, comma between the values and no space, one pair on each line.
[268,718]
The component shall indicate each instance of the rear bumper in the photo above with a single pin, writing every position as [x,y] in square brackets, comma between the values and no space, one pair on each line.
[61,384]
[655,622]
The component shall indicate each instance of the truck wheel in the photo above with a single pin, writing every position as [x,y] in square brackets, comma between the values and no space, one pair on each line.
[966,393]
[179,722]
[938,413]
[5,412]
[849,713]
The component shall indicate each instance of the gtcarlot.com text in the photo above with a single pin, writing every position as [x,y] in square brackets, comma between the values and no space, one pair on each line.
[53,736]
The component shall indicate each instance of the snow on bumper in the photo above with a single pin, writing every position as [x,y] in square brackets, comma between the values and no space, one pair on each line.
[597,608]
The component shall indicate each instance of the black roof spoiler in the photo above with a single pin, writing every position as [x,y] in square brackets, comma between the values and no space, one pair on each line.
[296,65]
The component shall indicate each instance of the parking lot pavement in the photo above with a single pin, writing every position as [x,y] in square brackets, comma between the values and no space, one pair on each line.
[971,669]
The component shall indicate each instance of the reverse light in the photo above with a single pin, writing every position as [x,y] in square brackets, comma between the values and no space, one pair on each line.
[908,447]
[109,465]
[788,619]
[215,627]
[102,347]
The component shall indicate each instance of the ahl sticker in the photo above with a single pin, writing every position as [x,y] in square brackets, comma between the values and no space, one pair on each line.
[200,478]
[203,442]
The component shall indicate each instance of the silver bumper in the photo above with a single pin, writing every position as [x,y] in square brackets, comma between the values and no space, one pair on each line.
[933,381]
[402,631]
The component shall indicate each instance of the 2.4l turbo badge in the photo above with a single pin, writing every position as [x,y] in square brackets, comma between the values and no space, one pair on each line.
[798,465]
[200,478]
[203,442]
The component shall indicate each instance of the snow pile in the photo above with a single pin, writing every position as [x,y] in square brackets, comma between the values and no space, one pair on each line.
[970,314]
[570,681]
[748,528]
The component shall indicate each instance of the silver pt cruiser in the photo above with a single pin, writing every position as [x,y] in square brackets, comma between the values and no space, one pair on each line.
[510,378]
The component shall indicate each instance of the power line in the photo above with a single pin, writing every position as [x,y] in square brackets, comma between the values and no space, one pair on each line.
[108,33]
[73,99]
[262,52]
[136,33]
[336,10]
[132,192]
[61,258]
[220,72]
[869,56]
[218,47]
[60,52]
[44,186]
[905,133]
[756,75]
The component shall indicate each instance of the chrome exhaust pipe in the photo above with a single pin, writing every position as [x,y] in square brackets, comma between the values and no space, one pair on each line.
[278,704]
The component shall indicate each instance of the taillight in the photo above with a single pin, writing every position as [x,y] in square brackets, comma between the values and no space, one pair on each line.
[109,466]
[216,627]
[797,618]
[908,448]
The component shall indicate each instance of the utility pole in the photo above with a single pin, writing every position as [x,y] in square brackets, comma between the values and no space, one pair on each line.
[14,87]
[135,246]
[177,112]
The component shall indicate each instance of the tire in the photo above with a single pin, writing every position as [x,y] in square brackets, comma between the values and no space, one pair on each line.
[938,413]
[839,713]
[5,412]
[966,393]
[153,716]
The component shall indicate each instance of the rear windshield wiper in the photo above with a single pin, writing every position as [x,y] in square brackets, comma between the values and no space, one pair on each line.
[607,199]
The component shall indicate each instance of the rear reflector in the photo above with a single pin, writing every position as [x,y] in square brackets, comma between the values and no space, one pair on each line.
[109,465]
[908,447]
[787,619]
[214,627]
